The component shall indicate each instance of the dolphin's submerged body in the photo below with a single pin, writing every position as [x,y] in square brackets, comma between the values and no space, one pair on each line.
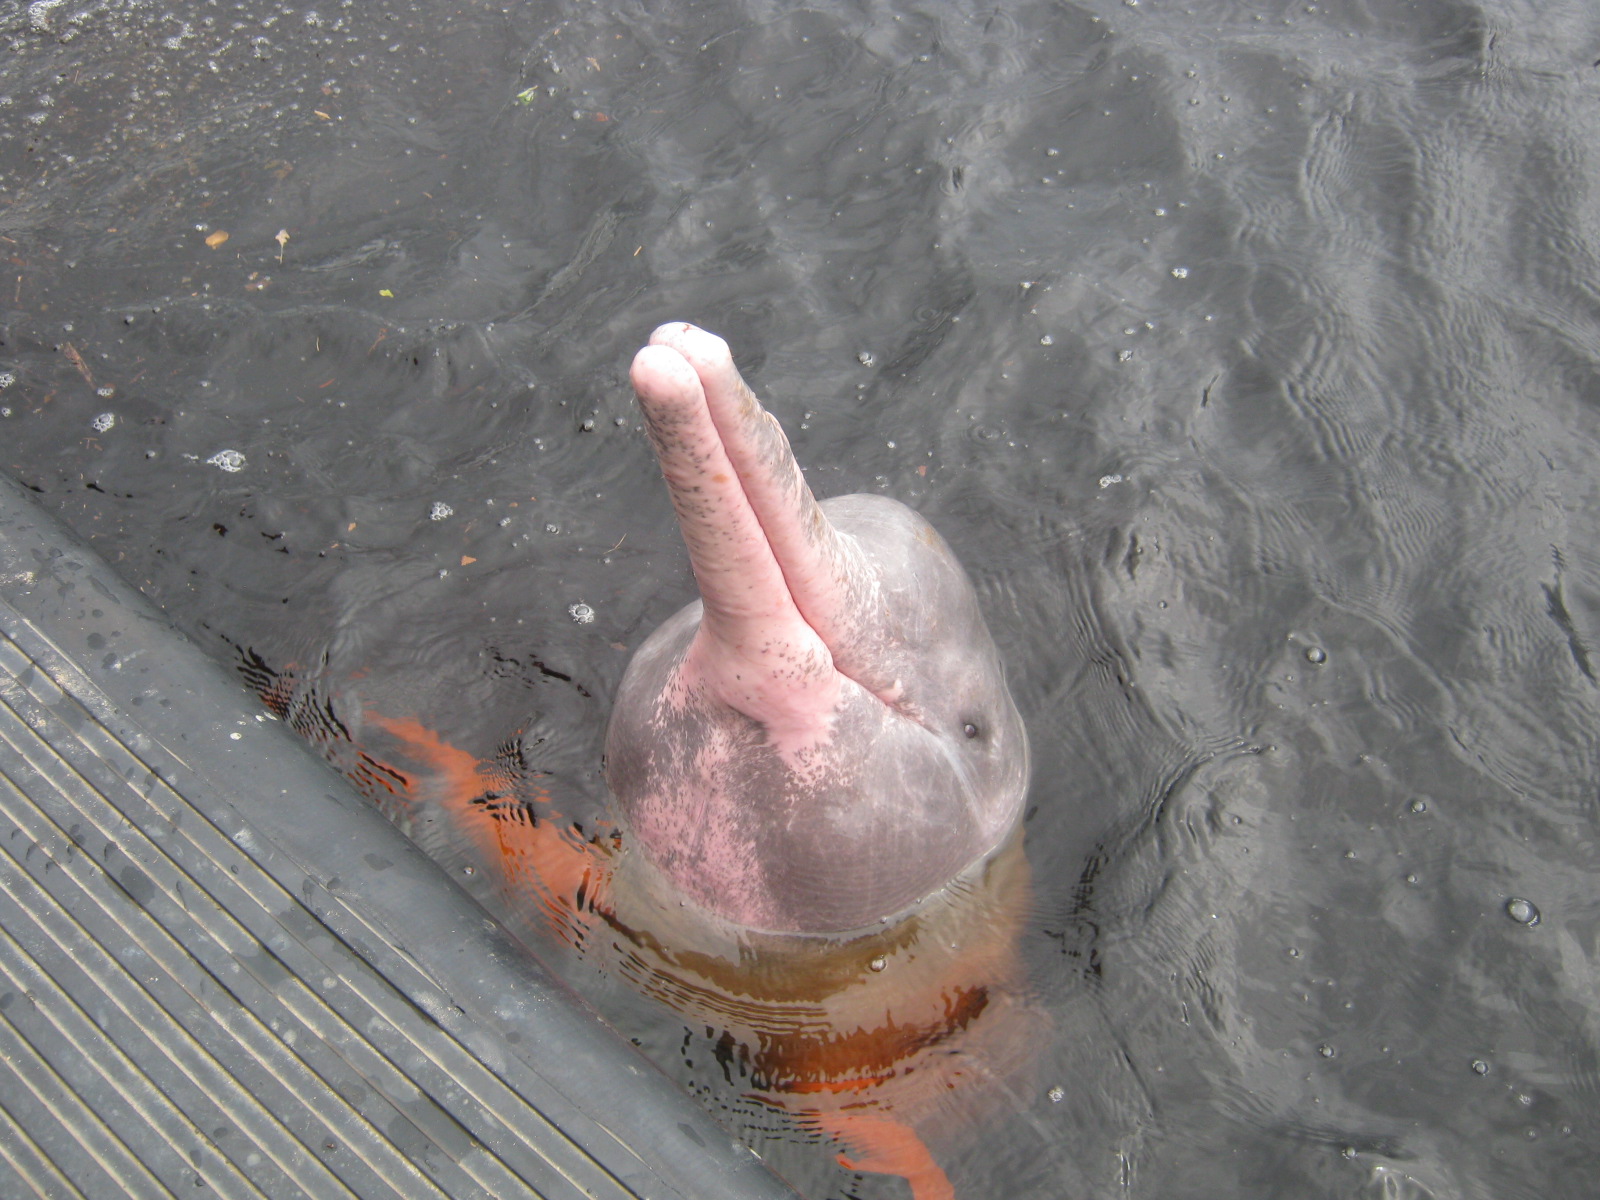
[818,775]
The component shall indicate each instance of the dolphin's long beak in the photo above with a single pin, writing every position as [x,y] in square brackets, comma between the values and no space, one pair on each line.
[779,583]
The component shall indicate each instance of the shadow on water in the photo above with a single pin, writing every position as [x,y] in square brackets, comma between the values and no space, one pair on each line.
[1247,356]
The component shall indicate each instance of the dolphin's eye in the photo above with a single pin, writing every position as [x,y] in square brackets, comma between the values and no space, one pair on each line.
[970,730]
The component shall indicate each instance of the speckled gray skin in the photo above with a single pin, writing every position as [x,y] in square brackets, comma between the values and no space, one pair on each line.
[826,737]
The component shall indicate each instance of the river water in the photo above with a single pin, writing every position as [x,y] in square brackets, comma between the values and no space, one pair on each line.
[1247,354]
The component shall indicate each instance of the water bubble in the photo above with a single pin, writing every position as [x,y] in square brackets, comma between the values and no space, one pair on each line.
[1124,355]
[226,460]
[39,14]
[1057,1094]
[6,379]
[106,392]
[1419,805]
[1523,912]
[1047,340]
[1325,1050]
[440,511]
[103,422]
[1180,272]
[588,425]
[866,358]
[1479,1067]
[581,613]
[1107,480]
[878,963]
[1316,655]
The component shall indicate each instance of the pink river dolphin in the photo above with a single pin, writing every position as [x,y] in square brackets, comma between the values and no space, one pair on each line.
[825,738]
[818,774]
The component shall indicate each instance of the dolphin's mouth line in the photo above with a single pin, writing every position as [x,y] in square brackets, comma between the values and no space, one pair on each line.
[894,704]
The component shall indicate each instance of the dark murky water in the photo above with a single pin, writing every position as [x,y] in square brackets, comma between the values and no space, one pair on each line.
[1249,356]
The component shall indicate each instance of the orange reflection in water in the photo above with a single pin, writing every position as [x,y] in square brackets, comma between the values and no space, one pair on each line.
[887,1041]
